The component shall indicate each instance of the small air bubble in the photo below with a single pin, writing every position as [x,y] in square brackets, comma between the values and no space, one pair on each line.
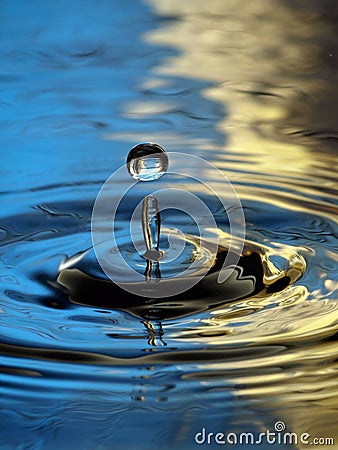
[147,162]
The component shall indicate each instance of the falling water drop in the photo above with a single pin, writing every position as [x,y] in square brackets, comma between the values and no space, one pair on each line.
[147,162]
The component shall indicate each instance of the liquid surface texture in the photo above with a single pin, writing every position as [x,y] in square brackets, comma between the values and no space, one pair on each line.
[252,88]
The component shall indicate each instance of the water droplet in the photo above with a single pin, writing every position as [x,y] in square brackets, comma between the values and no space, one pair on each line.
[147,162]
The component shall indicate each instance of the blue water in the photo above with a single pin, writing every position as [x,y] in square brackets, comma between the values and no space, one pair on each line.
[249,87]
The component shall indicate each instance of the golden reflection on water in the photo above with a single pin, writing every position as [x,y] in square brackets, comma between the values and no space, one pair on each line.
[267,67]
[248,50]
[263,64]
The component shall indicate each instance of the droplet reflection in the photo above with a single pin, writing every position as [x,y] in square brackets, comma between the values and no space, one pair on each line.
[147,162]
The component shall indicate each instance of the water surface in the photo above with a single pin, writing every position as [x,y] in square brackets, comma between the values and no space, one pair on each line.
[248,86]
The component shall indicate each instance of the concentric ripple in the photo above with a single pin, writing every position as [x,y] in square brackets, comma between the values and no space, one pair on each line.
[252,88]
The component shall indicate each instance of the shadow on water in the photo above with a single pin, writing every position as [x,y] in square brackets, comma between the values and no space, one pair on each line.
[250,87]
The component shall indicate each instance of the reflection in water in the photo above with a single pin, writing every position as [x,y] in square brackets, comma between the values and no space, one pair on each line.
[250,86]
[259,78]
[272,80]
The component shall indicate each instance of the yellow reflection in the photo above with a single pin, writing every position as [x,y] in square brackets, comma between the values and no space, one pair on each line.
[257,59]
[258,73]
